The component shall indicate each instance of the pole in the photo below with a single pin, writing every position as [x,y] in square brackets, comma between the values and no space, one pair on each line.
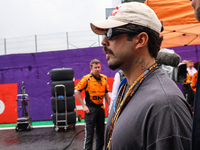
[36,43]
[67,40]
[99,40]
[5,46]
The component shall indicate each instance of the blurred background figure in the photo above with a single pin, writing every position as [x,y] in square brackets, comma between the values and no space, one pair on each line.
[187,90]
[194,77]
[190,68]
[119,76]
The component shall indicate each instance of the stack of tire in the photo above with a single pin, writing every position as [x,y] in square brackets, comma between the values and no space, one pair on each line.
[63,100]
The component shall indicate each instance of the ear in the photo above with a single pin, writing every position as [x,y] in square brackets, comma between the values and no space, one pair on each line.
[142,40]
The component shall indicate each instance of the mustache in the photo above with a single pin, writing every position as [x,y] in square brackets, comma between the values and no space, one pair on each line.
[107,50]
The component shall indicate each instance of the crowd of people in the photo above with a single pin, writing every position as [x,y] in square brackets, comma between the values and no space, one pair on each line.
[148,111]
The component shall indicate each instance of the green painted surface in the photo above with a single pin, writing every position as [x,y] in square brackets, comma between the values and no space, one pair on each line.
[37,123]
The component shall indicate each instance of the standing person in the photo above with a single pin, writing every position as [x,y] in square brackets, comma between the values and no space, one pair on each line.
[150,112]
[191,71]
[190,68]
[194,77]
[186,87]
[119,76]
[96,88]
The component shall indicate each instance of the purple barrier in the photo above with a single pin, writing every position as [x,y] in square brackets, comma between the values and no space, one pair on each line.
[32,68]
[188,52]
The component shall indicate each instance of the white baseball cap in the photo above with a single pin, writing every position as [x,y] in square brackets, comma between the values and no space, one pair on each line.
[134,13]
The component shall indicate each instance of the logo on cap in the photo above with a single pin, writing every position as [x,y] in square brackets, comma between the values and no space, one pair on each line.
[114,12]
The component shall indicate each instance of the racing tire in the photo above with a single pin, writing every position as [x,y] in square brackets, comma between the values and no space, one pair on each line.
[61,104]
[69,85]
[71,118]
[59,74]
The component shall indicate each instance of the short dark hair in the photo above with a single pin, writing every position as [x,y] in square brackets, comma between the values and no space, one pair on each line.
[94,61]
[190,60]
[154,38]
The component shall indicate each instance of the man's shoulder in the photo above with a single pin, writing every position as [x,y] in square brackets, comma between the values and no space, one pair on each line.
[103,76]
[87,76]
[194,70]
[160,80]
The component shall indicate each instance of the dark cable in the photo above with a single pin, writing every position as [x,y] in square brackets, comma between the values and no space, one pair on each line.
[73,139]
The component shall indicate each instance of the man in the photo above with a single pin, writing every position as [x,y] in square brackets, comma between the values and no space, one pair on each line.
[190,68]
[194,77]
[196,5]
[187,90]
[191,71]
[96,88]
[150,112]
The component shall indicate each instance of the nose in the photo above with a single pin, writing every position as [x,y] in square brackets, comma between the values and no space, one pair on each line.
[105,42]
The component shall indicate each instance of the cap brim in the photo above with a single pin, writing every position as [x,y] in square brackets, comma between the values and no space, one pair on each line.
[99,27]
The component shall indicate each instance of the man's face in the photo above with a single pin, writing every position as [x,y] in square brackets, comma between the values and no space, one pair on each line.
[118,51]
[96,69]
[190,64]
[196,5]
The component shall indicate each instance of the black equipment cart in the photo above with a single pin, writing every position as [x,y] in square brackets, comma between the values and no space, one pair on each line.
[64,117]
[24,122]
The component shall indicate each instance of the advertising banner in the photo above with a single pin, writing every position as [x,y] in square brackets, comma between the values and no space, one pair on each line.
[8,103]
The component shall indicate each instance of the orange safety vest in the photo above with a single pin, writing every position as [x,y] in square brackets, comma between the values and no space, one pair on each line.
[94,89]
[188,79]
[194,81]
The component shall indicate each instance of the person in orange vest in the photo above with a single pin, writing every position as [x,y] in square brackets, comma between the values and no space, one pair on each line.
[190,68]
[194,77]
[187,91]
[96,88]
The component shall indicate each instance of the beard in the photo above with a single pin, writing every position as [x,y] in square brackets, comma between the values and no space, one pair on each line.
[111,64]
[114,66]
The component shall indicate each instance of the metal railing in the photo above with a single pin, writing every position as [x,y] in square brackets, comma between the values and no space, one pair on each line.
[49,42]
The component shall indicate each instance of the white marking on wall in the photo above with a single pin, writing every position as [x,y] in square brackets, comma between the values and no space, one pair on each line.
[2,106]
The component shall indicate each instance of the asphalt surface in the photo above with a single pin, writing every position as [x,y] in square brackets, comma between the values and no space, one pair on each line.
[44,138]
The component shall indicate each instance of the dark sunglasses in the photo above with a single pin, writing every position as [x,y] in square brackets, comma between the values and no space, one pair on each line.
[110,33]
